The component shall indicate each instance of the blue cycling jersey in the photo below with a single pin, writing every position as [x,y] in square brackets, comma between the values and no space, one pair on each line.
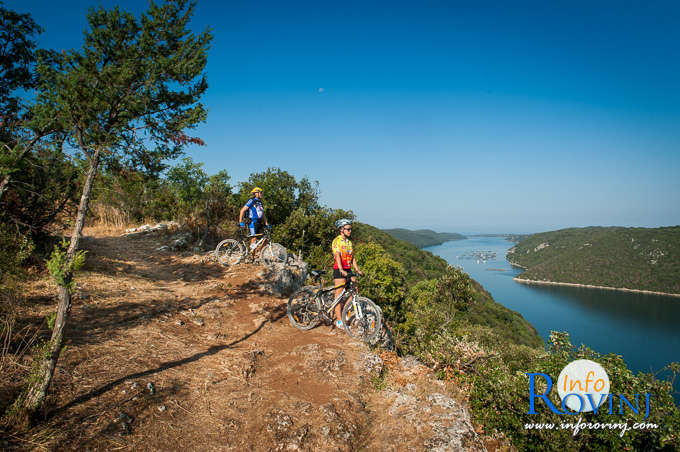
[256,209]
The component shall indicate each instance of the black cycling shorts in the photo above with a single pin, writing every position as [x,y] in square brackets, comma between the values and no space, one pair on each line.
[338,275]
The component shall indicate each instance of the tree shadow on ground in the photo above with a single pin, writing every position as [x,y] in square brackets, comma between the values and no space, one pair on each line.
[275,313]
[165,366]
[105,421]
[91,322]
[135,257]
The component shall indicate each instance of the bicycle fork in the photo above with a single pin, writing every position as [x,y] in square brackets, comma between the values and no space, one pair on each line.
[357,308]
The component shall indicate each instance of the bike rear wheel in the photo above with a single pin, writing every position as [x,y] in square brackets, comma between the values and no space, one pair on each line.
[229,252]
[304,308]
[364,325]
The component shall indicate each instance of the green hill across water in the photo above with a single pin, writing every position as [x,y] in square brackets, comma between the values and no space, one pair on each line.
[617,257]
[423,237]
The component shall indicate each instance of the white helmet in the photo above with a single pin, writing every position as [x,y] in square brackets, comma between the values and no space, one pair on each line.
[342,222]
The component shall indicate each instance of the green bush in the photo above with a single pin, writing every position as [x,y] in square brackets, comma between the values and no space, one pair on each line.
[59,265]
[310,233]
[385,278]
[282,194]
[433,307]
[187,194]
[418,264]
[187,181]
[43,185]
[15,248]
[124,197]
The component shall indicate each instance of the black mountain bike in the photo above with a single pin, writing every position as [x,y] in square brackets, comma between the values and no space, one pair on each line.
[313,304]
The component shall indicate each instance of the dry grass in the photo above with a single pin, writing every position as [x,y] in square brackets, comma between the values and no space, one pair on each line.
[109,216]
[16,338]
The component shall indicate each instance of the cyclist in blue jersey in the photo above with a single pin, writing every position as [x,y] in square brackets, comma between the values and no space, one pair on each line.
[256,215]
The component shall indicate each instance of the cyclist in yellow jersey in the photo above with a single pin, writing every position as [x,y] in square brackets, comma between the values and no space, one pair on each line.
[343,257]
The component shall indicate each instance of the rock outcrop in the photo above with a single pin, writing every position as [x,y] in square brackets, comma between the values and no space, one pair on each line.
[283,279]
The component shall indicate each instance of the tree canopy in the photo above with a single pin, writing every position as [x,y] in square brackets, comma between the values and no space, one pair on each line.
[132,89]
[17,55]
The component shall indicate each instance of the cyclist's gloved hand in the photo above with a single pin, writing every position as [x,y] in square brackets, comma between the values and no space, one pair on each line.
[242,224]
[269,226]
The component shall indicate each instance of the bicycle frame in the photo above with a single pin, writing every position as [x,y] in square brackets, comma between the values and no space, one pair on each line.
[361,317]
[346,293]
[264,238]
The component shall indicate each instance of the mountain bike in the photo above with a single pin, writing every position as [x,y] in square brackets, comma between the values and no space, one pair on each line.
[232,251]
[312,304]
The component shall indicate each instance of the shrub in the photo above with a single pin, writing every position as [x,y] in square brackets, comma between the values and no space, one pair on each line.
[311,233]
[385,281]
[15,247]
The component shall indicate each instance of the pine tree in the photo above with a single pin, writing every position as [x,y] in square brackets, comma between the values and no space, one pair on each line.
[125,97]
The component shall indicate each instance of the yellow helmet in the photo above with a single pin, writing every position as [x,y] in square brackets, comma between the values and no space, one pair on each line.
[256,189]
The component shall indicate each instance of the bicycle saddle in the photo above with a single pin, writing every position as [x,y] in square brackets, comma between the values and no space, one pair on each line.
[317,273]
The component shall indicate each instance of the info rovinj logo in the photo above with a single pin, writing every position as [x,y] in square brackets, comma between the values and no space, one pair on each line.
[583,387]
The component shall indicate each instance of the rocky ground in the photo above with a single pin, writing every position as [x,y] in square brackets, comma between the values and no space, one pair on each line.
[172,351]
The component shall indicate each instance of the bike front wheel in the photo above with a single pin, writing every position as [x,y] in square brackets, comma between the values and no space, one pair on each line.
[274,253]
[304,308]
[363,319]
[229,252]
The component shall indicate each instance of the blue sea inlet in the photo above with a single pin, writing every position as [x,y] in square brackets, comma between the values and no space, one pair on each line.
[642,328]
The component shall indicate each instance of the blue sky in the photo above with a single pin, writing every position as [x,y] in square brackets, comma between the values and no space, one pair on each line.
[496,117]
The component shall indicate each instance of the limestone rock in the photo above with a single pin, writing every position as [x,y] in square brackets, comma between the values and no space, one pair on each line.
[148,229]
[283,279]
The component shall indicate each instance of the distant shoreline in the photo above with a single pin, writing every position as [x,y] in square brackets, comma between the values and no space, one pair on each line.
[440,243]
[424,238]
[590,286]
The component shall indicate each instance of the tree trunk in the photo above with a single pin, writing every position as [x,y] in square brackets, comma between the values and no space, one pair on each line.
[38,390]
[3,185]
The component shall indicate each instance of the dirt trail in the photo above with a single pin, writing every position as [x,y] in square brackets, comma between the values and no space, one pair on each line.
[175,352]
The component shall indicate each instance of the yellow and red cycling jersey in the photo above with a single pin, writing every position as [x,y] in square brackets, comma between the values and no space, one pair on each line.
[343,247]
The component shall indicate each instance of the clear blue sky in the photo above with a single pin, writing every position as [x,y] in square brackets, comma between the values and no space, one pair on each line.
[499,117]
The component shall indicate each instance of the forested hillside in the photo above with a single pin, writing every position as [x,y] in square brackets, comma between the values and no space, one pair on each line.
[423,237]
[633,258]
[417,263]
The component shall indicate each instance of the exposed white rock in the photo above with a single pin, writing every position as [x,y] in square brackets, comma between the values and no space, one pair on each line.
[284,279]
[541,246]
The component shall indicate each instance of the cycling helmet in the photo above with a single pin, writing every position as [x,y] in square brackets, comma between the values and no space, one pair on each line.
[342,222]
[256,189]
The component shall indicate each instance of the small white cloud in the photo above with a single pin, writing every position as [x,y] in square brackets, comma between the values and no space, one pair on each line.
[320,90]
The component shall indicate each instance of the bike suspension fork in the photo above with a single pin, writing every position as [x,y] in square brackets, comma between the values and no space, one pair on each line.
[357,308]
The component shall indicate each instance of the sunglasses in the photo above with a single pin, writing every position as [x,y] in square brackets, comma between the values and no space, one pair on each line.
[348,229]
